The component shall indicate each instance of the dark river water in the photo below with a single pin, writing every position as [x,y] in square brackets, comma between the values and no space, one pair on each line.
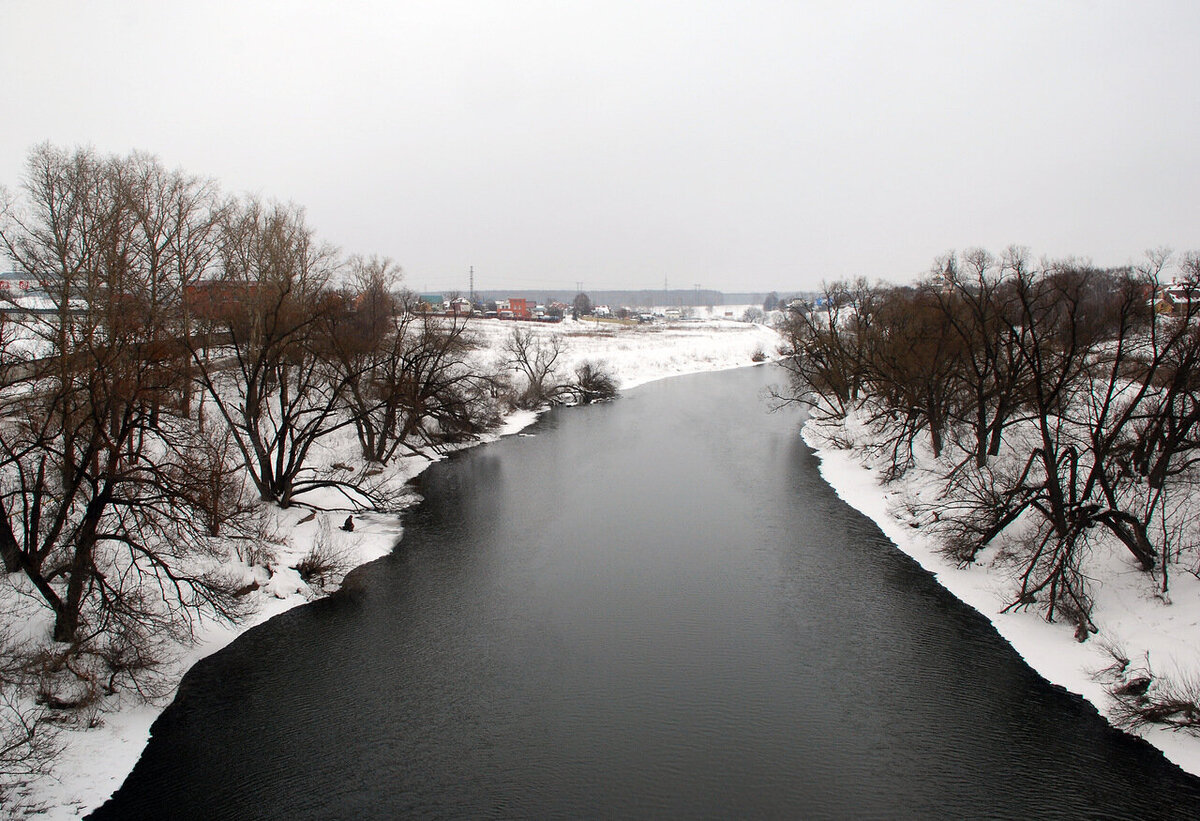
[652,608]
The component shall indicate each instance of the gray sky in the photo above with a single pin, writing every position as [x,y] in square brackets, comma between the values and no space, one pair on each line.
[738,145]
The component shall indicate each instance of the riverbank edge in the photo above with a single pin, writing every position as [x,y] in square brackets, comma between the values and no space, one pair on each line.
[99,759]
[1049,649]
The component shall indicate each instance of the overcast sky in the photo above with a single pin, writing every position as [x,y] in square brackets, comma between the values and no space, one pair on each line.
[737,145]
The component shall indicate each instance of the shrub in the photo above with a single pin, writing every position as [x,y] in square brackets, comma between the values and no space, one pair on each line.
[1143,699]
[324,564]
[593,383]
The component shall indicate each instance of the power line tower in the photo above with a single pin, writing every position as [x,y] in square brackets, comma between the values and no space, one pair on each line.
[472,285]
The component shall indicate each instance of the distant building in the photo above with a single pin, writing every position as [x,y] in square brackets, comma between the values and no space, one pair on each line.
[1179,298]
[14,284]
[218,300]
[431,302]
[20,293]
[942,283]
[520,308]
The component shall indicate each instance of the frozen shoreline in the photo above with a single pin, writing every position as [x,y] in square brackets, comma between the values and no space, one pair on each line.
[96,761]
[1163,634]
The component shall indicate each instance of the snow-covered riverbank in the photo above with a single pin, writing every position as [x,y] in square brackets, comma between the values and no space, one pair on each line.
[1156,633]
[95,761]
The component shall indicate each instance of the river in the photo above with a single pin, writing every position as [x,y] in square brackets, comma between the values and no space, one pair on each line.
[649,608]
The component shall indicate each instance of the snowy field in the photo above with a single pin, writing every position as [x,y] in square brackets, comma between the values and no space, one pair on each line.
[95,761]
[1157,633]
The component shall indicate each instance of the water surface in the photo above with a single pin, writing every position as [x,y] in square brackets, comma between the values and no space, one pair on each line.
[653,608]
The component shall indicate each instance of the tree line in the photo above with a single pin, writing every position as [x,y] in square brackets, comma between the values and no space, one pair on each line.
[185,356]
[1059,401]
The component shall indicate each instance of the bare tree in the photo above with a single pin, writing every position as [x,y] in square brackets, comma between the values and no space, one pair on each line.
[826,347]
[275,383]
[914,368]
[535,357]
[973,298]
[410,383]
[1069,393]
[91,508]
[176,219]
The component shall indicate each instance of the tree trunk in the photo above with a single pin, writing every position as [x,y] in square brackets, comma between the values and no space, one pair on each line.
[10,551]
[981,437]
[1133,534]
[66,622]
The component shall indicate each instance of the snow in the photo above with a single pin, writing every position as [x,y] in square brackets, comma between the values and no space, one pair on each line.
[1153,632]
[96,761]
[642,353]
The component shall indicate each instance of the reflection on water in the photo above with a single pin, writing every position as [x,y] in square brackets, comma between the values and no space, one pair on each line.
[649,608]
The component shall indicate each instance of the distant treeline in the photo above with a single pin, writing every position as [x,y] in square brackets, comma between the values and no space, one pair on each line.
[645,298]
